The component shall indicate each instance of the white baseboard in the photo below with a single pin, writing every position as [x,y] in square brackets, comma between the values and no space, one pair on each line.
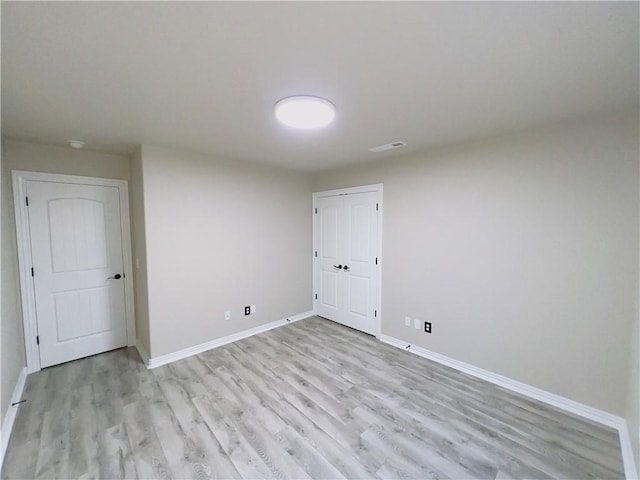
[218,342]
[558,401]
[10,414]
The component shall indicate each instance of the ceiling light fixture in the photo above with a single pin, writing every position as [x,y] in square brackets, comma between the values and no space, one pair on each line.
[75,143]
[304,111]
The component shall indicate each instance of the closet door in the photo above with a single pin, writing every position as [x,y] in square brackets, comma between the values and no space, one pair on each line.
[346,229]
[330,241]
[360,234]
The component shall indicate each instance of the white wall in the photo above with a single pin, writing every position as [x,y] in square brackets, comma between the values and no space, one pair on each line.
[12,354]
[522,251]
[221,235]
[65,160]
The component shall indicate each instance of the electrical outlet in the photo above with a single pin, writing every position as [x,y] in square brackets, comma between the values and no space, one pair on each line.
[427,327]
[227,315]
[253,309]
[416,323]
[247,310]
[407,321]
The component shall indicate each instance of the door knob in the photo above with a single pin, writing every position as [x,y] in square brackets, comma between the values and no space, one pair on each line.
[346,268]
[117,276]
[339,267]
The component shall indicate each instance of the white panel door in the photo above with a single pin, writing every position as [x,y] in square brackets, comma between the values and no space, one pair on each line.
[346,229]
[76,246]
[359,270]
[330,219]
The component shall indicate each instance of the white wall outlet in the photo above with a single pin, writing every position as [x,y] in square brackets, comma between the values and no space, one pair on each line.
[416,323]
[253,309]
[407,321]
[227,315]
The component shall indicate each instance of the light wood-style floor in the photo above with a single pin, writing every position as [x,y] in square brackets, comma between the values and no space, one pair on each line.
[311,399]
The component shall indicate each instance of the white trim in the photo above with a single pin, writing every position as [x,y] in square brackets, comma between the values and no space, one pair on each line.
[24,253]
[535,393]
[379,189]
[26,285]
[218,342]
[127,265]
[11,413]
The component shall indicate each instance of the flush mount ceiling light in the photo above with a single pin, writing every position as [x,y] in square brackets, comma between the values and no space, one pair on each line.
[75,143]
[304,111]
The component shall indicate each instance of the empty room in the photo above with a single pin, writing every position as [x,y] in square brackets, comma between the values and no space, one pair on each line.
[325,240]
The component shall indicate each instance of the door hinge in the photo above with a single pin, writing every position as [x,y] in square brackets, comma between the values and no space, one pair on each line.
[38,339]
[316,211]
[316,253]
[32,271]
[376,260]
[316,296]
[376,207]
[26,199]
[375,313]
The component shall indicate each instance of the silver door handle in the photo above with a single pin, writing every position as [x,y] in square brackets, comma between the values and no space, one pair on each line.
[117,276]
[339,267]
[346,268]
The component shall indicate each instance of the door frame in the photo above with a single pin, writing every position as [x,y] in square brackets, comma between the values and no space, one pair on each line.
[23,236]
[377,188]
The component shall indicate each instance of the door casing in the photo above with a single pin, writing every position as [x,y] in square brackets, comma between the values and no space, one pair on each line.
[27,292]
[378,188]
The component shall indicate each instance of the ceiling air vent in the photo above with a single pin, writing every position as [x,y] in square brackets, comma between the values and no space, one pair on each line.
[388,146]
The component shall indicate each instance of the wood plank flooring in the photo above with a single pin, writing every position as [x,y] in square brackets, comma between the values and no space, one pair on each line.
[308,400]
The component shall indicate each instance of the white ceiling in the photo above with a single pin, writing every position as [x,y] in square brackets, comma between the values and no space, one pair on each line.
[204,76]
